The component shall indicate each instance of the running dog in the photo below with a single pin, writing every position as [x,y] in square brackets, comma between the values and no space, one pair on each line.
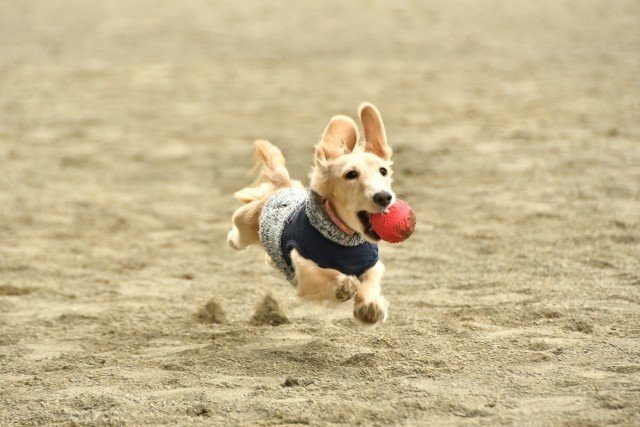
[321,238]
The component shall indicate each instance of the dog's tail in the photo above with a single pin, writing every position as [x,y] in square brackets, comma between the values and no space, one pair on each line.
[273,176]
[273,164]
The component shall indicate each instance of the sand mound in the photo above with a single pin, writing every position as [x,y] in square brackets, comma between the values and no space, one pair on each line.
[211,312]
[268,313]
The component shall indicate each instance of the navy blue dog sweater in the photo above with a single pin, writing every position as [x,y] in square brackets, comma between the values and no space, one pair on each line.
[295,219]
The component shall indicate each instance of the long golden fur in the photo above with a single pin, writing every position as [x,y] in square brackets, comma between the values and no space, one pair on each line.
[355,177]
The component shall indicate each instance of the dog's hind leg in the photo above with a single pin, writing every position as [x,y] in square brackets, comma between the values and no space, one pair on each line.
[245,225]
[319,284]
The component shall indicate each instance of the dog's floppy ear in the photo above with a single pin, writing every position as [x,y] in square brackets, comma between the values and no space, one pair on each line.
[339,138]
[374,134]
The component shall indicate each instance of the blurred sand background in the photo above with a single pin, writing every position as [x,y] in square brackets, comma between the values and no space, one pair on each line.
[126,126]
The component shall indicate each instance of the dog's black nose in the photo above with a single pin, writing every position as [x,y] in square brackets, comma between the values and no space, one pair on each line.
[382,198]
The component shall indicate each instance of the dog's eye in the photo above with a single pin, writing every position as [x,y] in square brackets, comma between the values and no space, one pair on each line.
[351,175]
[383,171]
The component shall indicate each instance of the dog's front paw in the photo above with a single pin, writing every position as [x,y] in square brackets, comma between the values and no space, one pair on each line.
[347,286]
[371,312]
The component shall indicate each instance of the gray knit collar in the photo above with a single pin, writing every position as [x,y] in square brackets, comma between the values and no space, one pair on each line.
[321,222]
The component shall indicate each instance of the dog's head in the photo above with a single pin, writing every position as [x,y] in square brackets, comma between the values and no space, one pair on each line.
[355,176]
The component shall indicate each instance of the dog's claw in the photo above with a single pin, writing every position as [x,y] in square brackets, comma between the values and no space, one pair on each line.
[370,313]
[347,288]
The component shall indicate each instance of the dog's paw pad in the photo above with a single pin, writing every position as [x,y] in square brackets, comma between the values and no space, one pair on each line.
[370,313]
[347,288]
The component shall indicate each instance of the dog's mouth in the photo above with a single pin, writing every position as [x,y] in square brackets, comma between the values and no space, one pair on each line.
[363,216]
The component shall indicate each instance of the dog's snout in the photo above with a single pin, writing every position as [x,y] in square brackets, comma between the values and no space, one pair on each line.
[382,198]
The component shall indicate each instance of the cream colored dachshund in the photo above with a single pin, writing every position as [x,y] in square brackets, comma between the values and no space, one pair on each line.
[321,238]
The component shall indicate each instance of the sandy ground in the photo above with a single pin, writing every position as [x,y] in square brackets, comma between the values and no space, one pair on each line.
[126,126]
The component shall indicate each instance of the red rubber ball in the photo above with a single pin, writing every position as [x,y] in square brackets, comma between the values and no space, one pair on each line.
[396,224]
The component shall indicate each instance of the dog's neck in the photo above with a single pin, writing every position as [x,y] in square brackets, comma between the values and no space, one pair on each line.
[331,228]
[335,218]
